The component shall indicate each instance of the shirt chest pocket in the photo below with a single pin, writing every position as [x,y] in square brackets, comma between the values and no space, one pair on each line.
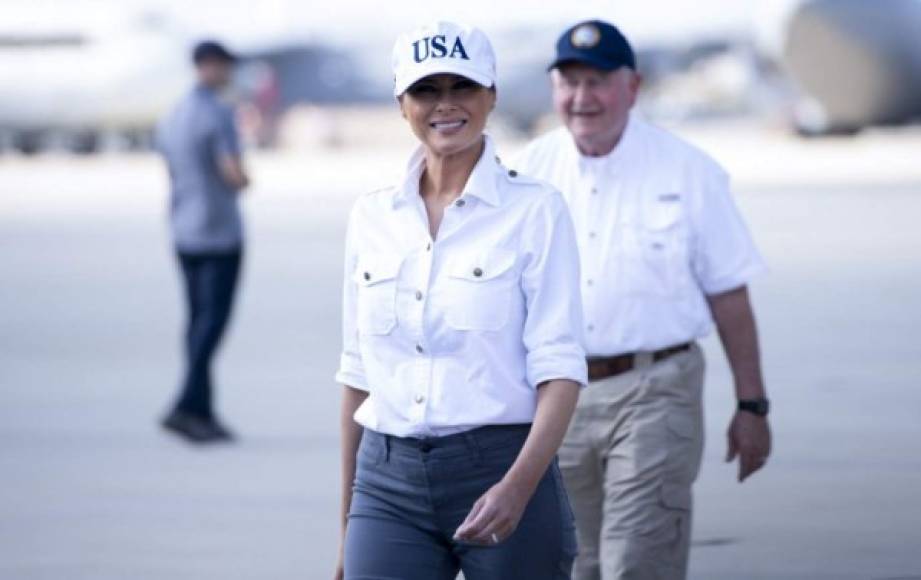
[479,290]
[659,264]
[376,278]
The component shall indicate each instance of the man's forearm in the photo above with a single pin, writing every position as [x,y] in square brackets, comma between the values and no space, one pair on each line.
[232,172]
[735,322]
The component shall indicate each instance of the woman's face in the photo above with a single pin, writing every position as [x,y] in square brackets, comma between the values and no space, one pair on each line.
[447,112]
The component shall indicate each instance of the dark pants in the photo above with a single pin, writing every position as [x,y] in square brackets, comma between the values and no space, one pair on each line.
[210,284]
[410,495]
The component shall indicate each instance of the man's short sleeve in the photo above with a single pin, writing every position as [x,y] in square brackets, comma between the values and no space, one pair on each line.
[724,254]
[226,139]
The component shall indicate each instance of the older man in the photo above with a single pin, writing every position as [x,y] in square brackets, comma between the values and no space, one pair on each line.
[664,255]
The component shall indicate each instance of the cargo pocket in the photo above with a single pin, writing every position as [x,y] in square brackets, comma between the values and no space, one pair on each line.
[682,459]
[376,277]
[480,291]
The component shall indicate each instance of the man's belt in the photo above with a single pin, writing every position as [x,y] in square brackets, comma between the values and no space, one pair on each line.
[608,366]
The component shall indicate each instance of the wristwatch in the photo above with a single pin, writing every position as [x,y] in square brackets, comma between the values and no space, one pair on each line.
[759,407]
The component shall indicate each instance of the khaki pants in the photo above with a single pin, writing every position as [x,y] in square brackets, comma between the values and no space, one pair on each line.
[629,459]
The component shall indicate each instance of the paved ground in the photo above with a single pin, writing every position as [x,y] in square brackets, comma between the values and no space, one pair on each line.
[89,336]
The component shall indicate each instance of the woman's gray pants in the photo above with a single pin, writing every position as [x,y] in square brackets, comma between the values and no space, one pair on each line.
[410,495]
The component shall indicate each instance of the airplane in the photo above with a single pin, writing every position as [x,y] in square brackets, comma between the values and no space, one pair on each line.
[842,66]
[73,81]
[77,83]
[857,64]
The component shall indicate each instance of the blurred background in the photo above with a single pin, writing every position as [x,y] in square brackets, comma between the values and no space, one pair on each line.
[94,75]
[812,106]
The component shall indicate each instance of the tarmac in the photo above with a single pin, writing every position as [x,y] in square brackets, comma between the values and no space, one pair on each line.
[90,317]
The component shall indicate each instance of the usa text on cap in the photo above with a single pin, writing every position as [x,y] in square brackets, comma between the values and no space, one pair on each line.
[443,48]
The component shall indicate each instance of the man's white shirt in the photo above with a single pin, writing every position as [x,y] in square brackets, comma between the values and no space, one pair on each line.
[657,231]
[456,333]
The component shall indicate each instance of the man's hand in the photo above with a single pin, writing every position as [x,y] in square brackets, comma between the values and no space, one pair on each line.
[749,438]
[495,515]
[231,168]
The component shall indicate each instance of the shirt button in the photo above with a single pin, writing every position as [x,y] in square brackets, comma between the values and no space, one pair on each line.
[418,294]
[591,327]
[460,203]
[592,235]
[367,275]
[477,272]
[594,191]
[590,282]
[419,399]
[428,247]
[419,349]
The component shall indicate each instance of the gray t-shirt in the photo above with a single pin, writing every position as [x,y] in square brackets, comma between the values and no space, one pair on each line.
[204,214]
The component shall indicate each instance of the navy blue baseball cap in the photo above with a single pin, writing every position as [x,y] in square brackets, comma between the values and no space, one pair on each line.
[211,49]
[595,43]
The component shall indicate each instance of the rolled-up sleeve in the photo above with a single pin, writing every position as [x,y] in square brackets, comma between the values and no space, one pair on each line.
[351,369]
[550,281]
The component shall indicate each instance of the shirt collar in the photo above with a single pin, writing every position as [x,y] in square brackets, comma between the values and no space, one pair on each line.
[481,184]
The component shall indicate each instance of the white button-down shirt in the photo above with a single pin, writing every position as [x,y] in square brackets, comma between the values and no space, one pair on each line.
[657,230]
[454,333]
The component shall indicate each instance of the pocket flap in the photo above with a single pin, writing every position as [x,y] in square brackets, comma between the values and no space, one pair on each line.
[662,211]
[676,495]
[376,268]
[482,267]
[680,424]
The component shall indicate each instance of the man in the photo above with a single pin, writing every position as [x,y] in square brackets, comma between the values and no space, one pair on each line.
[200,144]
[663,252]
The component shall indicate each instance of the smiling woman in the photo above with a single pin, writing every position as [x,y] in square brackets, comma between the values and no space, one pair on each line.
[448,113]
[461,360]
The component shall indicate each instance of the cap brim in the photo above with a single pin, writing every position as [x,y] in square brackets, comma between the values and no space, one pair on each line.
[217,55]
[590,60]
[438,68]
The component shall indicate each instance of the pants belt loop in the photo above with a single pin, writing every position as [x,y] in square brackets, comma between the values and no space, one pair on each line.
[642,360]
[473,446]
[387,444]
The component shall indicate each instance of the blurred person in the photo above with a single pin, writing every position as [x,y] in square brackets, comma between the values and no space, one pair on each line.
[199,141]
[664,254]
[462,361]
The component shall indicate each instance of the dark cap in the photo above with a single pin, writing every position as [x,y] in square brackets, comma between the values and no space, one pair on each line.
[596,44]
[213,50]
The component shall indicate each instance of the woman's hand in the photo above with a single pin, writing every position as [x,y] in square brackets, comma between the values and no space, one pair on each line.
[495,515]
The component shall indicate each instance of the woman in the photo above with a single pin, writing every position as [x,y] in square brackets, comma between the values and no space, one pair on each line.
[462,362]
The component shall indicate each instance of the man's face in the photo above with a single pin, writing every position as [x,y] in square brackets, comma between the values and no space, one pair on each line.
[594,104]
[215,72]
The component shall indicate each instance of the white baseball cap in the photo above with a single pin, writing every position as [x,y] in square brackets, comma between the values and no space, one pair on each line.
[443,48]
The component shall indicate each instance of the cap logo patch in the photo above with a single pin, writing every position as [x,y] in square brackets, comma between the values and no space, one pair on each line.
[585,36]
[437,47]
